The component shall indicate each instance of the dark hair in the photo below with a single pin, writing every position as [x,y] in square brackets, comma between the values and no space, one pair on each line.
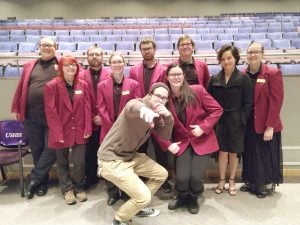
[234,50]
[185,37]
[188,96]
[67,60]
[258,43]
[148,40]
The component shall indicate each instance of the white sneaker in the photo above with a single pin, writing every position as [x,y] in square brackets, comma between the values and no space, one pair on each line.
[148,212]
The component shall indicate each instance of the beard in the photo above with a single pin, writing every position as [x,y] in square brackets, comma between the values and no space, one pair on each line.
[94,63]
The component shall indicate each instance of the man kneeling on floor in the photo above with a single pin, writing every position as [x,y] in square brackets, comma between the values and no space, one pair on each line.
[119,161]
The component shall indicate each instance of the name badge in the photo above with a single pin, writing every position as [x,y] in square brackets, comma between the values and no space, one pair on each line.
[127,92]
[78,92]
[261,80]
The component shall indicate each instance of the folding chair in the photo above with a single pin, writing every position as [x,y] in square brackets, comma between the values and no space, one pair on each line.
[14,148]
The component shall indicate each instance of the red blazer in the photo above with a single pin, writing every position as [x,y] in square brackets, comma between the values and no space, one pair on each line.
[105,102]
[268,99]
[66,121]
[137,73]
[20,98]
[86,76]
[206,114]
[201,71]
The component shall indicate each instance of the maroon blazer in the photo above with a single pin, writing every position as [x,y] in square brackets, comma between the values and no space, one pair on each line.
[137,73]
[67,121]
[201,71]
[205,114]
[105,102]
[20,98]
[86,76]
[268,99]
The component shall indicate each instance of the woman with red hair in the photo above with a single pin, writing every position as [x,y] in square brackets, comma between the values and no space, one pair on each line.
[68,113]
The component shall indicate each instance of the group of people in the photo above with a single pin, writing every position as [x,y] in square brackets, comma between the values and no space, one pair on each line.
[108,121]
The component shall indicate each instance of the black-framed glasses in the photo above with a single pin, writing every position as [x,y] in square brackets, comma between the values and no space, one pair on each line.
[254,52]
[175,75]
[160,97]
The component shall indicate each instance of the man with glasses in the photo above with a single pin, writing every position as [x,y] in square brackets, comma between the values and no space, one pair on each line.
[28,106]
[147,73]
[93,75]
[121,163]
[196,71]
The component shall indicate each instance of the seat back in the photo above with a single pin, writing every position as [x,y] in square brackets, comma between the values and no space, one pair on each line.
[11,133]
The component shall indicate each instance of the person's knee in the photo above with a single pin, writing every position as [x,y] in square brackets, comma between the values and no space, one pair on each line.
[144,198]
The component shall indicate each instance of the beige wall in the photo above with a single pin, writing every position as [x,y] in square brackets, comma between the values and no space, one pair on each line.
[23,9]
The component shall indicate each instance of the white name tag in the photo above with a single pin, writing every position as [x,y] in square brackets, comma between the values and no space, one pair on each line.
[261,81]
[127,92]
[78,92]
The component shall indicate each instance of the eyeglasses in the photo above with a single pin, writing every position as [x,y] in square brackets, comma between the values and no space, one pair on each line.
[114,63]
[254,52]
[162,98]
[70,65]
[147,49]
[46,46]
[175,75]
[185,44]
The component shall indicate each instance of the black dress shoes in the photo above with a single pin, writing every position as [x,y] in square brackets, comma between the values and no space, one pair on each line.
[262,194]
[41,190]
[31,189]
[112,200]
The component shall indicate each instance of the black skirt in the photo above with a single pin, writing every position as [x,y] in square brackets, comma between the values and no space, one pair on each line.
[262,160]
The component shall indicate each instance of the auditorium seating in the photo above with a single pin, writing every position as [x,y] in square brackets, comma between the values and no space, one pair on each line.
[279,33]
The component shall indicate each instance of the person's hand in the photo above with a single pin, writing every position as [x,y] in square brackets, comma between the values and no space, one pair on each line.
[15,115]
[97,120]
[268,134]
[86,136]
[147,114]
[196,130]
[174,147]
[162,110]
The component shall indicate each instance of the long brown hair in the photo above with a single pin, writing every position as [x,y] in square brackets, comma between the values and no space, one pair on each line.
[187,94]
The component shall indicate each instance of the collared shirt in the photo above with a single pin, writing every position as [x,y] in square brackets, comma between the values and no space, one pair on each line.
[70,89]
[95,75]
[253,76]
[189,70]
[180,110]
[117,90]
[148,72]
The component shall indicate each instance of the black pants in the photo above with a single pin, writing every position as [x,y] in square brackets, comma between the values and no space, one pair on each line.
[76,181]
[36,131]
[91,164]
[190,171]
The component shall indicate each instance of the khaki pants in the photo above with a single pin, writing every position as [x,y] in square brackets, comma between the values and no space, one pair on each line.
[125,175]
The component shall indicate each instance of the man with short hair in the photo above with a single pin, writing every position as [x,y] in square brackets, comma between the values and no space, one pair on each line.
[119,161]
[93,76]
[28,106]
[148,72]
[196,71]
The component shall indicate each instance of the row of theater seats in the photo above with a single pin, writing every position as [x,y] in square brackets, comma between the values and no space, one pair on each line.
[158,37]
[155,31]
[128,47]
[222,19]
[287,69]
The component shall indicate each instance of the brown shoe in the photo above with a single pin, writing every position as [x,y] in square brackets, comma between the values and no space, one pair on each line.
[81,196]
[70,197]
